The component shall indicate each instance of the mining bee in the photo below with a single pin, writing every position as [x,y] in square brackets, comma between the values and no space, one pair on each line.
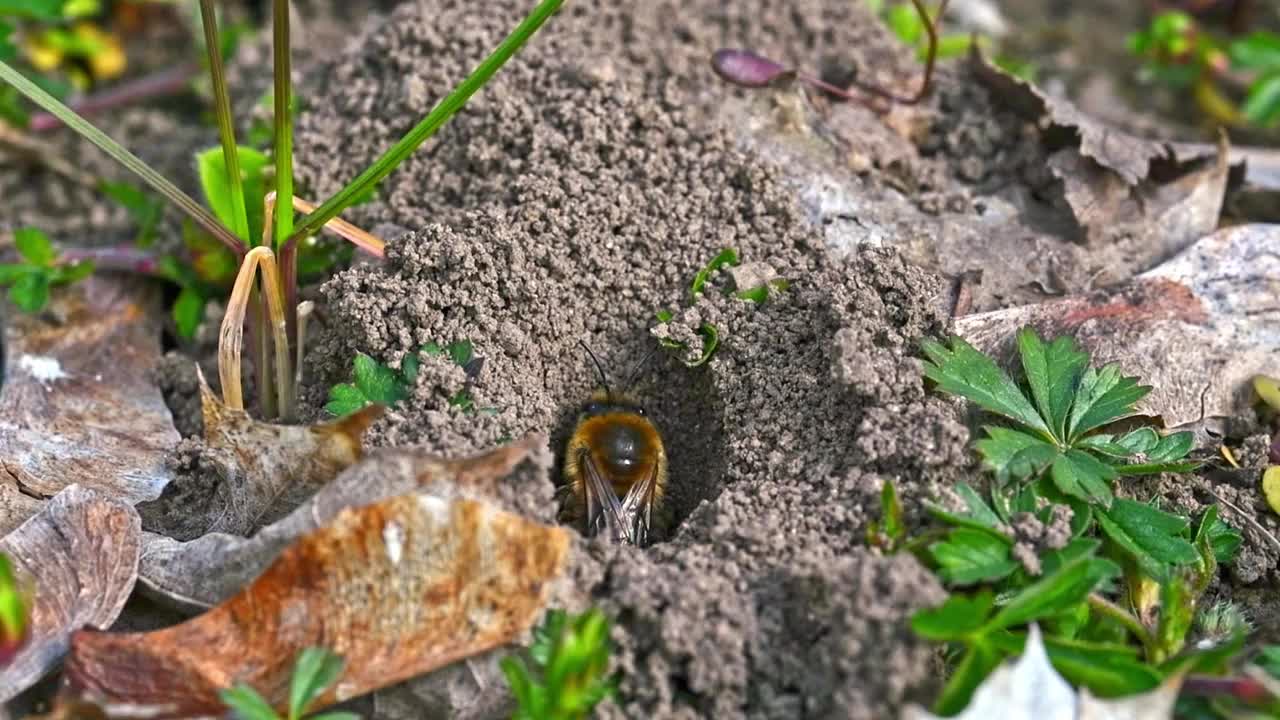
[615,465]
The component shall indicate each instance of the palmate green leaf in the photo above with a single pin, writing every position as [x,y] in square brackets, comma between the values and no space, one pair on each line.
[1153,537]
[956,619]
[1054,593]
[345,399]
[970,556]
[1052,371]
[1015,454]
[1104,396]
[1081,475]
[964,371]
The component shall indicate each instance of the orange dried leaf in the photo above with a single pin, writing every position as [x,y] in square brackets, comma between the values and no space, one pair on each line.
[398,588]
[80,553]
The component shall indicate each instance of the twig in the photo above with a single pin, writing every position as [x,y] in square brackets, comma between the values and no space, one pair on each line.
[123,258]
[164,82]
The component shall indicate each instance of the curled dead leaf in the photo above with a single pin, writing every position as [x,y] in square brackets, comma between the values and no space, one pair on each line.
[80,552]
[200,573]
[264,470]
[78,407]
[398,588]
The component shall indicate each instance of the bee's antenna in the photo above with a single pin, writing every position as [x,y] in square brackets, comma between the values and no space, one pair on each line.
[635,371]
[604,379]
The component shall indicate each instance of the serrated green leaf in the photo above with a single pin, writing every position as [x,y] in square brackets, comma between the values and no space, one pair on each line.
[1259,50]
[1224,539]
[1171,448]
[978,509]
[1053,593]
[1081,475]
[965,372]
[1015,454]
[35,247]
[30,292]
[1104,396]
[970,556]
[1139,440]
[1103,444]
[956,619]
[1052,372]
[247,704]
[377,382]
[315,670]
[1153,537]
[188,311]
[345,399]
[1078,548]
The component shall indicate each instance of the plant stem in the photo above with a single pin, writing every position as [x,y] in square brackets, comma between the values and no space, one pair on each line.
[226,126]
[165,82]
[1109,609]
[121,258]
[283,121]
[181,200]
[429,125]
[231,335]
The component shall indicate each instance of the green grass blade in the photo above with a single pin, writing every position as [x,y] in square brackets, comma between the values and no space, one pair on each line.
[429,125]
[133,163]
[226,127]
[283,98]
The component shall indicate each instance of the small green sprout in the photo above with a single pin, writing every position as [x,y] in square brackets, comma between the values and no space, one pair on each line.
[29,281]
[1059,429]
[570,663]
[14,613]
[315,670]
[890,531]
[710,334]
[375,383]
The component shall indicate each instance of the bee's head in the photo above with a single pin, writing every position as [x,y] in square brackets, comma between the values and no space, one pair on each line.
[604,402]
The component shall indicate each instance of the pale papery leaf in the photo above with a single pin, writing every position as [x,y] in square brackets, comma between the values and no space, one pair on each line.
[1032,688]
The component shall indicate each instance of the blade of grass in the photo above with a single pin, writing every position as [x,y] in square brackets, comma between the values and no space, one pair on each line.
[226,126]
[231,335]
[180,200]
[429,125]
[283,98]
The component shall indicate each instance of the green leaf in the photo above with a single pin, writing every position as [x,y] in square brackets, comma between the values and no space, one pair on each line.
[956,619]
[1052,372]
[461,352]
[977,663]
[376,381]
[1078,548]
[1224,539]
[1269,660]
[146,210]
[1171,448]
[979,510]
[30,292]
[905,22]
[316,669]
[67,274]
[1015,454]
[970,556]
[13,607]
[1153,537]
[247,703]
[1259,50]
[1104,396]
[345,399]
[1107,669]
[216,184]
[336,715]
[1054,593]
[891,513]
[34,247]
[9,274]
[7,50]
[964,371]
[188,311]
[46,10]
[1081,475]
[409,368]
[728,256]
[1156,468]
[1140,440]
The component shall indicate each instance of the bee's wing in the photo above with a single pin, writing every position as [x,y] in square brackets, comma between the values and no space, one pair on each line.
[604,511]
[637,508]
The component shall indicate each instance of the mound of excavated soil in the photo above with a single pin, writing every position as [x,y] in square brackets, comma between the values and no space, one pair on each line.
[572,200]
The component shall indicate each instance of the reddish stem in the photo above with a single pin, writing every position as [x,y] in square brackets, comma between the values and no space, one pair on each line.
[1245,689]
[165,82]
[121,258]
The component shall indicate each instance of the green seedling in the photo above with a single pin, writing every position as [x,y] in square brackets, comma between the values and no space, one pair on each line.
[890,531]
[1058,423]
[315,671]
[565,672]
[29,281]
[15,613]
[271,256]
[710,334]
[1179,52]
[375,383]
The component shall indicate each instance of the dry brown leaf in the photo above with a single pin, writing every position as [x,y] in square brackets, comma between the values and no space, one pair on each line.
[1197,328]
[264,470]
[398,588]
[77,406]
[81,554]
[201,573]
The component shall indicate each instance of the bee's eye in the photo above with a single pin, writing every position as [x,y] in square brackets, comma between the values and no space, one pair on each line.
[591,408]
[640,411]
